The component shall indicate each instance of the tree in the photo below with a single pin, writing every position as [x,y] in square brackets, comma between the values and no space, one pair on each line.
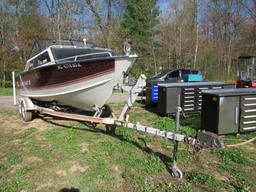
[139,20]
[105,20]
[179,34]
[207,34]
[226,18]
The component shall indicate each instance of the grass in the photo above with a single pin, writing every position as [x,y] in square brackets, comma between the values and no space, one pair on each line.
[5,91]
[69,155]
[238,163]
[204,179]
[186,187]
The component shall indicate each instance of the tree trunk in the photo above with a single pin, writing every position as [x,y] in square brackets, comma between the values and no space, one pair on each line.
[4,77]
[52,20]
[180,46]
[229,62]
[175,35]
[16,20]
[109,22]
[196,25]
[154,56]
[58,20]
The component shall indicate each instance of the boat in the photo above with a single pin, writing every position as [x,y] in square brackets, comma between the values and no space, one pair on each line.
[73,73]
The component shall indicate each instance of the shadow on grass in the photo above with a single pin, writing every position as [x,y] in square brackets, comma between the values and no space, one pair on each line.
[189,119]
[69,190]
[92,128]
[150,108]
[192,120]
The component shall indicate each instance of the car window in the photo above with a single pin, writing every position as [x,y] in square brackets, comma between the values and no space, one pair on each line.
[161,74]
[185,72]
[174,74]
[195,72]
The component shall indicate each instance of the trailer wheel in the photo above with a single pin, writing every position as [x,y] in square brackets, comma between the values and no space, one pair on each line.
[177,173]
[25,115]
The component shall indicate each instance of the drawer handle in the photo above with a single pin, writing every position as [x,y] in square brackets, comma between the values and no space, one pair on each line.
[237,115]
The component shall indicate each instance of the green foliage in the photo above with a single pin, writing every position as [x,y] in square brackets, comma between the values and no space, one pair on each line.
[13,158]
[148,71]
[37,148]
[23,170]
[8,83]
[241,184]
[8,71]
[15,182]
[165,123]
[153,164]
[186,187]
[192,121]
[64,140]
[236,155]
[6,91]
[190,125]
[188,131]
[187,125]
[235,162]
[138,22]
[139,18]
[27,133]
[204,179]
[138,70]
[167,187]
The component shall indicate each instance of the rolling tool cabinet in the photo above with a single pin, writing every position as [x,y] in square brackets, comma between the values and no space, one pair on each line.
[190,96]
[229,111]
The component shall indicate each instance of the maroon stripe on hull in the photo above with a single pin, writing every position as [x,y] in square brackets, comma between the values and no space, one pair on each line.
[62,74]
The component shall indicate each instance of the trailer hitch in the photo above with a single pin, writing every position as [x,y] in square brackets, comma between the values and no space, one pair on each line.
[205,139]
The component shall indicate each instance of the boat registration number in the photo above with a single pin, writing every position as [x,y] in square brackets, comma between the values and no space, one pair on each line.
[68,66]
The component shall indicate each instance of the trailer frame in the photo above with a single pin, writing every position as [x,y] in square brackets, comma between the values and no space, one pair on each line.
[27,110]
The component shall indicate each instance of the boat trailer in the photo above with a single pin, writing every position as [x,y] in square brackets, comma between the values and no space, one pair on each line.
[203,139]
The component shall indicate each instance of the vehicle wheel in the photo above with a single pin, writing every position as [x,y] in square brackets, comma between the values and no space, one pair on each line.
[177,173]
[25,115]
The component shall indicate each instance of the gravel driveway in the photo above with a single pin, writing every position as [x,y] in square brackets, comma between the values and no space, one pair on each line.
[7,102]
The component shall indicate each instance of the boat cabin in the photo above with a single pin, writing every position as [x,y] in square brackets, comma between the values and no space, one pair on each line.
[46,52]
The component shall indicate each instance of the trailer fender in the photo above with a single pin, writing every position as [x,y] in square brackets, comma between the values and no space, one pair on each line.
[26,109]
[28,104]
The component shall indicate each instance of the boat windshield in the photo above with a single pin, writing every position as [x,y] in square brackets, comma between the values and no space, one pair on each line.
[79,53]
[41,59]
[40,45]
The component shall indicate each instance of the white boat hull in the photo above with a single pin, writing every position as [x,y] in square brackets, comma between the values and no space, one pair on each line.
[87,94]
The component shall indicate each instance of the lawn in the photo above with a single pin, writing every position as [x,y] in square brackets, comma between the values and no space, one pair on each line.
[49,154]
[5,91]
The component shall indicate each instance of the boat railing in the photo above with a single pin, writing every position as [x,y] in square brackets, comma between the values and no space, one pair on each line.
[75,58]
